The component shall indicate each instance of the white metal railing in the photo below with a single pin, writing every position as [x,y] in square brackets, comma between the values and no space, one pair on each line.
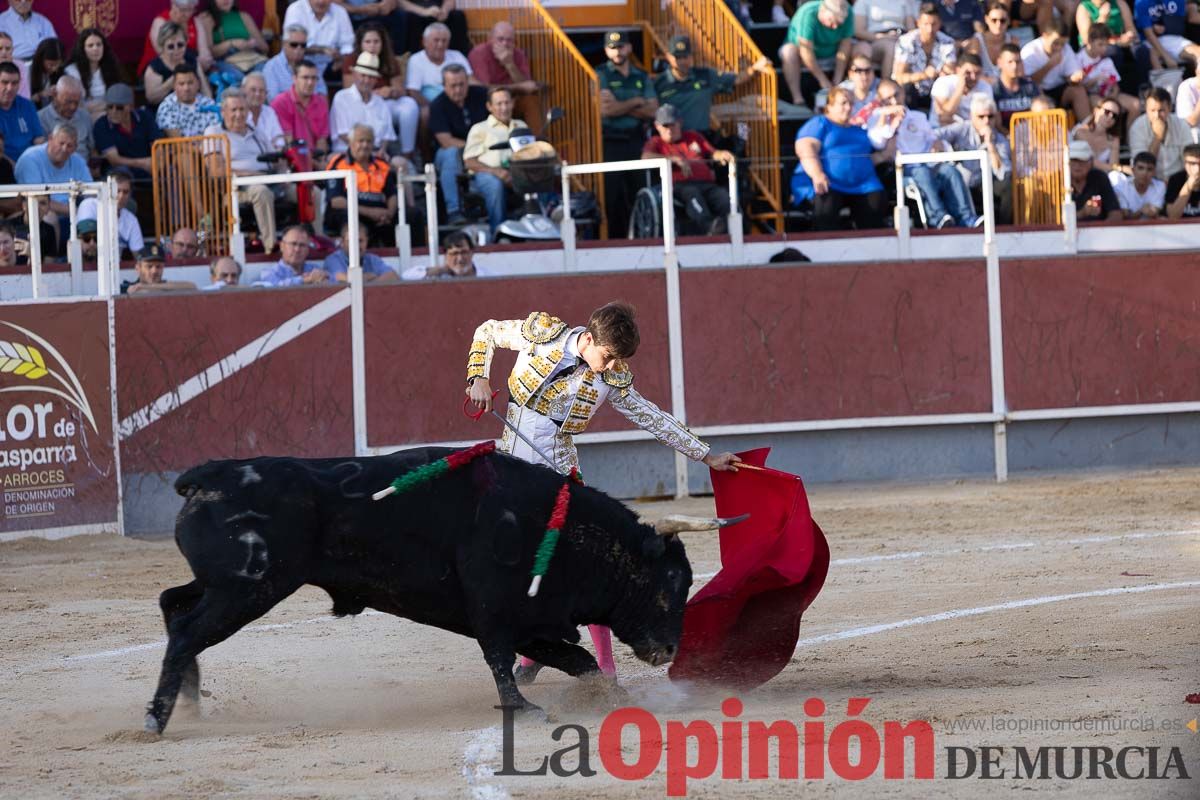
[404,230]
[108,245]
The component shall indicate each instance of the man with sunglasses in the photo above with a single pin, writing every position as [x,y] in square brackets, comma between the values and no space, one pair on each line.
[125,135]
[979,133]
[280,69]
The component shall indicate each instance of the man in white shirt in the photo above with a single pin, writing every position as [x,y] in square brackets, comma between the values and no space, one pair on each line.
[952,94]
[26,27]
[1143,195]
[1187,103]
[1160,133]
[245,146]
[359,105]
[489,172]
[423,76]
[330,35]
[1051,64]
[260,116]
[128,231]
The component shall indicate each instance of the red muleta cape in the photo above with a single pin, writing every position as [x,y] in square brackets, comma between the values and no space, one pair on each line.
[741,629]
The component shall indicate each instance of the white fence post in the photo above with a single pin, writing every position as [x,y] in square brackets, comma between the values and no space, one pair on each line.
[431,215]
[566,228]
[736,236]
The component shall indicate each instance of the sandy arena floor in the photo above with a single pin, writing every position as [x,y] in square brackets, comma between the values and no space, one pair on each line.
[302,705]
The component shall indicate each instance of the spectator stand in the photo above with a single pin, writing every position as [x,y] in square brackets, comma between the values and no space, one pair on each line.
[1040,173]
[108,246]
[187,194]
[568,80]
[404,230]
[719,41]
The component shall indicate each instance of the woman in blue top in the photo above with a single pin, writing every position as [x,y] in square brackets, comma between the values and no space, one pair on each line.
[837,167]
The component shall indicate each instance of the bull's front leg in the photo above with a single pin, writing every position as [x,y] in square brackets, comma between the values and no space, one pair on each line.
[499,655]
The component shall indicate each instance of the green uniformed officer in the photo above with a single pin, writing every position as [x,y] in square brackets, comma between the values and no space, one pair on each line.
[627,101]
[690,89]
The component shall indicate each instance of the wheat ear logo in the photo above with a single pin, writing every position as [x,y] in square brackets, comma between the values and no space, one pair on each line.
[26,360]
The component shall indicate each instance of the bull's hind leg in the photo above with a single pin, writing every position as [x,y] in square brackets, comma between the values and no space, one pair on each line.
[221,612]
[499,656]
[174,603]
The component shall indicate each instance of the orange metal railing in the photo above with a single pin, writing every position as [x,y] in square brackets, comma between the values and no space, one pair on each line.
[720,42]
[187,194]
[568,80]
[1039,166]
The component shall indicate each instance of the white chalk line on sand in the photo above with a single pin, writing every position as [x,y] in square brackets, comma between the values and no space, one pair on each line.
[989,548]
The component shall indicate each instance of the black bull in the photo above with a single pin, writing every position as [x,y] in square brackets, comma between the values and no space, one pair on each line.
[455,553]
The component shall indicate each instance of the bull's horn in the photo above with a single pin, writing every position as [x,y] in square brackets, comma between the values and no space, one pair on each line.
[677,523]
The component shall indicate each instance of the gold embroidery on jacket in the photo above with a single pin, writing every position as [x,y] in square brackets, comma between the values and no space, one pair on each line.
[541,328]
[477,359]
[584,405]
[524,384]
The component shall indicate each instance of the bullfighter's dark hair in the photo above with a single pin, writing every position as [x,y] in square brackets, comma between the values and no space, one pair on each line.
[613,326]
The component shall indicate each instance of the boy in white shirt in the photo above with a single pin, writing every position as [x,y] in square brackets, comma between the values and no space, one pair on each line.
[1051,64]
[1143,195]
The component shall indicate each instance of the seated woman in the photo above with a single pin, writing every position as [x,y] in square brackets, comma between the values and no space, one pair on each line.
[1100,131]
[160,72]
[995,35]
[44,70]
[93,63]
[372,37]
[238,46]
[837,167]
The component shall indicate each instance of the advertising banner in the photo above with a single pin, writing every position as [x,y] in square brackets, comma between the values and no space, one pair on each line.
[58,462]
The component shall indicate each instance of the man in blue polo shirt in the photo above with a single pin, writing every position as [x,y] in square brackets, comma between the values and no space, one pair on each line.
[18,117]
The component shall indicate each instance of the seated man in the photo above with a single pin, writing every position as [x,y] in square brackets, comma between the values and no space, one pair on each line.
[65,107]
[19,121]
[150,274]
[280,70]
[1090,189]
[952,94]
[86,229]
[978,133]
[245,146]
[451,115]
[358,104]
[223,272]
[302,112]
[125,135]
[1183,190]
[186,112]
[1160,132]
[1164,25]
[376,182]
[499,62]
[337,263]
[185,245]
[8,246]
[489,175]
[460,262]
[129,232]
[821,39]
[706,201]
[293,267]
[330,34]
[1051,64]
[55,162]
[945,195]
[1142,196]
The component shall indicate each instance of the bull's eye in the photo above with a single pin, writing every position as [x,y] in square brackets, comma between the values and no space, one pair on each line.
[673,576]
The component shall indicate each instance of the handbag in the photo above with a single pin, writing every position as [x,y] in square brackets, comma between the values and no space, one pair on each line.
[245,60]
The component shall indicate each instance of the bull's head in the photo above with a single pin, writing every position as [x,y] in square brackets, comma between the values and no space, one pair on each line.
[650,620]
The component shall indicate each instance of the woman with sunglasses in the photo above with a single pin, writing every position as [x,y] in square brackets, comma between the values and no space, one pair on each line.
[1101,132]
[994,36]
[160,72]
[93,63]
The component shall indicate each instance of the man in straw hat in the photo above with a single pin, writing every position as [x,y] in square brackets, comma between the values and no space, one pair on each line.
[359,105]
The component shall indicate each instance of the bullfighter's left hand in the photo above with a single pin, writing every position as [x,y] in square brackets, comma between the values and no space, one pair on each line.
[721,461]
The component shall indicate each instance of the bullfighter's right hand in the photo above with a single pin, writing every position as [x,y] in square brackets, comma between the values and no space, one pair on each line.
[480,392]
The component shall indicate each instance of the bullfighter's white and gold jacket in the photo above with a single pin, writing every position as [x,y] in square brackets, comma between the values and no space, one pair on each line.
[554,394]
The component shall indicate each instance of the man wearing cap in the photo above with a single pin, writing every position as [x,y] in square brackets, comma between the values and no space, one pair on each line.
[1090,188]
[125,135]
[690,88]
[150,274]
[358,104]
[820,38]
[489,172]
[86,231]
[129,232]
[330,34]
[627,102]
[245,146]
[706,201]
[65,109]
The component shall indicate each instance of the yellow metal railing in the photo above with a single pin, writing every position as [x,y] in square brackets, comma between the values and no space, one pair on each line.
[189,195]
[568,80]
[1039,166]
[719,41]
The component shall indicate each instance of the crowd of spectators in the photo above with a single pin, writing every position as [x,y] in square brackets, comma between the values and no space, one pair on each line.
[895,76]
[382,86]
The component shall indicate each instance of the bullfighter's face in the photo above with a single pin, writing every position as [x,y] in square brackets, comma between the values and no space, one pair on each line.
[597,356]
